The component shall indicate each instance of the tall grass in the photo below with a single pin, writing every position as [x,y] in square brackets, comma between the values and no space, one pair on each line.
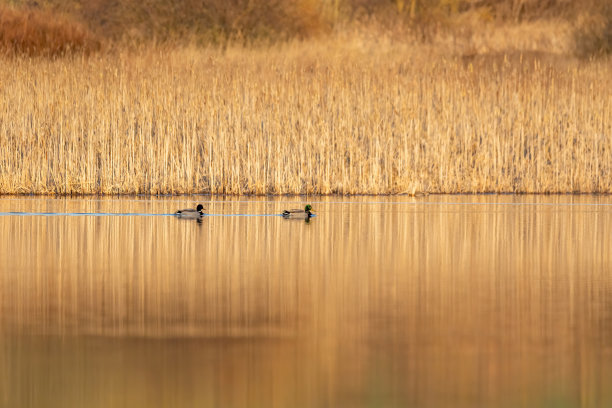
[304,118]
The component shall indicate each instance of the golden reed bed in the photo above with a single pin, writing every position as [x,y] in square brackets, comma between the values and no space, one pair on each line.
[311,117]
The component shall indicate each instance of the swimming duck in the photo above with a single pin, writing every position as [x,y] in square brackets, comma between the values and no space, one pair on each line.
[191,213]
[299,214]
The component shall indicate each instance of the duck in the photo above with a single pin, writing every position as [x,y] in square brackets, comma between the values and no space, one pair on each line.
[306,213]
[191,213]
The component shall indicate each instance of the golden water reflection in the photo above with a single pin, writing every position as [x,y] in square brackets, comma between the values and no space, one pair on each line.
[486,301]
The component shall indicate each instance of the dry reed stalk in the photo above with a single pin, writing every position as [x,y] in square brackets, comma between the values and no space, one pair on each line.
[304,118]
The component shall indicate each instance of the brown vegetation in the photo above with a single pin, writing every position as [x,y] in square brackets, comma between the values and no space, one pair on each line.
[222,22]
[397,97]
[348,118]
[41,33]
[593,36]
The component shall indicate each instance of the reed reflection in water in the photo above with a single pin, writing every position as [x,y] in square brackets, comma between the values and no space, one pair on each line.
[461,303]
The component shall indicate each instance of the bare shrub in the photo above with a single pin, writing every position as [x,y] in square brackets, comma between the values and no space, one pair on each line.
[593,35]
[36,32]
[210,21]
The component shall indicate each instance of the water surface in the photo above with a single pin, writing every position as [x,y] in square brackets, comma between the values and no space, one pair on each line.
[442,301]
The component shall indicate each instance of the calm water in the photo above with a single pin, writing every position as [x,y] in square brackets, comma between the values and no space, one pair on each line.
[479,301]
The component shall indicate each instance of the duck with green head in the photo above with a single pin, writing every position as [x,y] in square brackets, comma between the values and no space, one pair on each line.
[299,214]
[191,213]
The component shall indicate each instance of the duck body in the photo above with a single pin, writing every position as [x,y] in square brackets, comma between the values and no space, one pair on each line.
[298,214]
[191,213]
